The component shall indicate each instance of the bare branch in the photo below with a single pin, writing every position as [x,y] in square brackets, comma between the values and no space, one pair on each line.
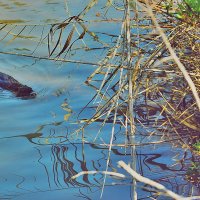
[99,172]
[150,182]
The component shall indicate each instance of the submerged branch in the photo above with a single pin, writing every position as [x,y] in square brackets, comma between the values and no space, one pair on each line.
[100,172]
[150,182]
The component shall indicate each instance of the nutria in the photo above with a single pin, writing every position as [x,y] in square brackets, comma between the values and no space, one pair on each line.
[19,90]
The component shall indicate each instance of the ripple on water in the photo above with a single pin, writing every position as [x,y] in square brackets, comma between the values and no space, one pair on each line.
[4,94]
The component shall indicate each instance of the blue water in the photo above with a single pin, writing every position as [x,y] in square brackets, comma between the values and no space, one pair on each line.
[41,167]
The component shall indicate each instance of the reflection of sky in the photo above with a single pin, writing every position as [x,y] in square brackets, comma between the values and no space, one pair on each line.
[55,84]
[47,11]
[32,11]
[48,80]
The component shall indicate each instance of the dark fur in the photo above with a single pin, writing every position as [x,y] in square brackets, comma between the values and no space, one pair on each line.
[22,91]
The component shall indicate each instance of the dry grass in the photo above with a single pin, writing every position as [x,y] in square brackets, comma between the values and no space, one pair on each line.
[149,78]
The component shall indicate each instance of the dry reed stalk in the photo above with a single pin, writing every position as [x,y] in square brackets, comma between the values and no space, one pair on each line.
[112,133]
[173,54]
[130,77]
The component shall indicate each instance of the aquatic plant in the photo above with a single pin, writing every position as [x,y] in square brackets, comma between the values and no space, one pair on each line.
[187,10]
[197,146]
[193,4]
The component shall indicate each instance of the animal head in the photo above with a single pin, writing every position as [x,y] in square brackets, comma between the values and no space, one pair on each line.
[25,92]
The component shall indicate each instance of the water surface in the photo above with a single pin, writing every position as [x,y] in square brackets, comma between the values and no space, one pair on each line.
[39,149]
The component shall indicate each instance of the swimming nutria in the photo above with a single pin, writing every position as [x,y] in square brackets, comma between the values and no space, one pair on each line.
[22,91]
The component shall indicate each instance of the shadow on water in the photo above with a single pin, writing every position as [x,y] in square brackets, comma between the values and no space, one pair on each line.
[60,162]
[62,156]
[29,137]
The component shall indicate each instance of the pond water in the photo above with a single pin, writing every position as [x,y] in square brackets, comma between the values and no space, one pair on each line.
[39,148]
